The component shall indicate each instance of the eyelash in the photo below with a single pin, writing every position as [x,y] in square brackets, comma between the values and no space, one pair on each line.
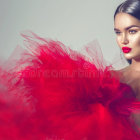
[130,31]
[117,33]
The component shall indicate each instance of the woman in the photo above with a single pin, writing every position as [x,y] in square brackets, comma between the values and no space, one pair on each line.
[127,28]
[55,93]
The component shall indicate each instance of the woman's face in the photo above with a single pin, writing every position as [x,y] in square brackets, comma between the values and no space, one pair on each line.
[127,29]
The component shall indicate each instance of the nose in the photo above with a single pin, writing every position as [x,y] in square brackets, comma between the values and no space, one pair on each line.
[124,39]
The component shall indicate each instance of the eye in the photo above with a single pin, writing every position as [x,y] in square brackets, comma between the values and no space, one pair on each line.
[117,32]
[132,31]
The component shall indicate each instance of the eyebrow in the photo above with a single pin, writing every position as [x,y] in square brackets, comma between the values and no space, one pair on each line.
[115,29]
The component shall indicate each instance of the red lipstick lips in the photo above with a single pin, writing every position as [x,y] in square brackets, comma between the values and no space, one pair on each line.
[126,49]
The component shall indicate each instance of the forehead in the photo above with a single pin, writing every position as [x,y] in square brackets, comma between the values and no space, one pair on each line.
[123,20]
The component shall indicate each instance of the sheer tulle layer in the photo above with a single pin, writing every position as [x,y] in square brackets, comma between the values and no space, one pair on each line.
[54,93]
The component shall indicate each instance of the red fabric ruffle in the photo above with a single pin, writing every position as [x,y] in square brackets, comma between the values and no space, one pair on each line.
[54,93]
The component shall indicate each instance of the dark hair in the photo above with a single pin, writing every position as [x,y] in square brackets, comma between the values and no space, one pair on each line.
[131,7]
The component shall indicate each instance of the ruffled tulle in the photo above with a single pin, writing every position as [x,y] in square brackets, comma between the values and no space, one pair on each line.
[54,93]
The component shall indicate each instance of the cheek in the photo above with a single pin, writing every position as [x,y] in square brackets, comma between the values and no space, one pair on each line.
[138,42]
[135,41]
[118,41]
[135,38]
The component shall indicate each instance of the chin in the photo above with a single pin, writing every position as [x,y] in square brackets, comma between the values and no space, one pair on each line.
[133,58]
[129,56]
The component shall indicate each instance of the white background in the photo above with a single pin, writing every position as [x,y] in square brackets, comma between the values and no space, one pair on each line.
[73,22]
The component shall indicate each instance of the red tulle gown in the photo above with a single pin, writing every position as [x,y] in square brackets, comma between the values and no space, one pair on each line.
[51,92]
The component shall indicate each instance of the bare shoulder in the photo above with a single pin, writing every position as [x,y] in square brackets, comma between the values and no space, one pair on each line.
[120,74]
[124,70]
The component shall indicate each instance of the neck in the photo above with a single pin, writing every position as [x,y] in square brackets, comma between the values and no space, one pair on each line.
[135,65]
